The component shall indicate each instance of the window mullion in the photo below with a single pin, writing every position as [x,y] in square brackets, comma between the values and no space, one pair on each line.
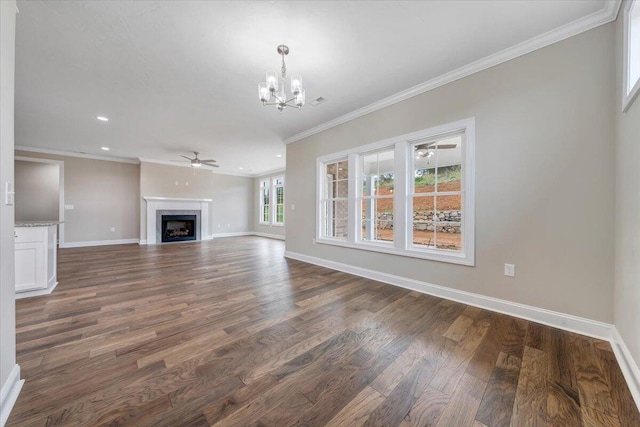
[353,220]
[400,178]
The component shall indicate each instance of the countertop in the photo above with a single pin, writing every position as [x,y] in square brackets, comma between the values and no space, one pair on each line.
[37,223]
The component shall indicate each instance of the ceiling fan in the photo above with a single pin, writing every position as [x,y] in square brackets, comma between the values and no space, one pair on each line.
[425,150]
[196,162]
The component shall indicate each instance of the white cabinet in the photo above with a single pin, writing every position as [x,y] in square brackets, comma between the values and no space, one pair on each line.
[35,258]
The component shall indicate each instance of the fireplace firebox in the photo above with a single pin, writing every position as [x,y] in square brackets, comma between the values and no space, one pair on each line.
[178,228]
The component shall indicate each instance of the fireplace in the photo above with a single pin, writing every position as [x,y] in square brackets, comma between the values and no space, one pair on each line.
[178,228]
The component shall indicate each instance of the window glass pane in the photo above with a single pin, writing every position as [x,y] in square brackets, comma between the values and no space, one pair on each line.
[377,220]
[424,234]
[279,213]
[278,181]
[343,170]
[280,195]
[448,222]
[342,189]
[449,159]
[265,196]
[424,177]
[332,169]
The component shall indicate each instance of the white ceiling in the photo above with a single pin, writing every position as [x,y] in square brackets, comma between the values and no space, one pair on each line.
[174,77]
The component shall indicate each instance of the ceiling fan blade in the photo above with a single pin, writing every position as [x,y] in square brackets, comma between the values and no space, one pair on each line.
[182,161]
[211,164]
[188,158]
[208,160]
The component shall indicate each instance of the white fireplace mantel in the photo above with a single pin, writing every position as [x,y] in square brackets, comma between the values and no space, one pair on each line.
[173,203]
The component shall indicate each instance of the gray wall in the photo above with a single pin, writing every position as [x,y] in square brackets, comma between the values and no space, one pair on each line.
[7,282]
[232,196]
[261,228]
[544,177]
[627,219]
[104,195]
[37,191]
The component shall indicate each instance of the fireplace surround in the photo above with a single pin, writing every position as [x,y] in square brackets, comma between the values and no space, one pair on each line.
[158,206]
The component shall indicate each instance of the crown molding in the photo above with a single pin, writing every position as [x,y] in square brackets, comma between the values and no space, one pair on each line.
[607,14]
[213,171]
[270,173]
[74,154]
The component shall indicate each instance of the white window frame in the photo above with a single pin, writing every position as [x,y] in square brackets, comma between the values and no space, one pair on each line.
[274,200]
[264,187]
[630,88]
[321,181]
[403,219]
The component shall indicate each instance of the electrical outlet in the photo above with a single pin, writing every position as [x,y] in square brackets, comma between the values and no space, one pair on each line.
[510,270]
[68,207]
[293,207]
[228,225]
[314,241]
[113,229]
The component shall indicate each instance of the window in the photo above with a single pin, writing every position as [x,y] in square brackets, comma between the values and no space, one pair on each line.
[334,199]
[272,201]
[412,195]
[278,200]
[631,78]
[264,202]
[376,201]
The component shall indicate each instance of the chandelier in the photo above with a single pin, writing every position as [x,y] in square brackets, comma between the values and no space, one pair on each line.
[272,92]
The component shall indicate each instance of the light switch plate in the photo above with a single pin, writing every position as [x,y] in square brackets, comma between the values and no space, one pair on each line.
[9,194]
[510,270]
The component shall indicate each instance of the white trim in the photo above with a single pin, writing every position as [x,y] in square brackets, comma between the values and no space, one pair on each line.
[628,96]
[555,319]
[231,234]
[176,199]
[142,242]
[607,14]
[73,154]
[98,243]
[37,293]
[628,365]
[269,236]
[279,171]
[9,393]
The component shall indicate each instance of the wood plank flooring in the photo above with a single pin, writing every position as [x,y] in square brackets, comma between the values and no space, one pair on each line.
[229,332]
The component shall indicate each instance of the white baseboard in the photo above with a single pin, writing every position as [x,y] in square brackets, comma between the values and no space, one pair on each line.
[233,234]
[39,292]
[9,393]
[556,319]
[568,322]
[142,242]
[269,236]
[98,243]
[628,365]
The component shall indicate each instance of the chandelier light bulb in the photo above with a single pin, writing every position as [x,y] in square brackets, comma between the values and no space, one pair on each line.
[300,98]
[263,92]
[272,81]
[296,84]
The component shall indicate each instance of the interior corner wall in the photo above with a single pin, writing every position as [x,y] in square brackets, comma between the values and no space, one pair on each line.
[627,219]
[276,230]
[544,178]
[7,278]
[104,195]
[232,196]
[37,191]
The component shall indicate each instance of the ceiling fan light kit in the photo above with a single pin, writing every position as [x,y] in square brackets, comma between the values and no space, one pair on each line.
[273,92]
[197,163]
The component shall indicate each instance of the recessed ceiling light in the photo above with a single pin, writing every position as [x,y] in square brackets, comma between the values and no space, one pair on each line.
[105,148]
[102,119]
[278,155]
[241,168]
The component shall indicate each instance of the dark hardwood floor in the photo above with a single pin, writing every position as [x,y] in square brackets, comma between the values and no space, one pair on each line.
[229,332]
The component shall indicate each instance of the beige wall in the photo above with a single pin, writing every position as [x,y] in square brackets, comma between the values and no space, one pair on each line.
[7,282]
[627,219]
[544,177]
[255,215]
[37,191]
[232,205]
[104,195]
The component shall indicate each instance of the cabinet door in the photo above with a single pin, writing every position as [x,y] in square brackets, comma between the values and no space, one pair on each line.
[30,266]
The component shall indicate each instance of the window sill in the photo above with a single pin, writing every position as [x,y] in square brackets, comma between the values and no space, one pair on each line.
[440,256]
